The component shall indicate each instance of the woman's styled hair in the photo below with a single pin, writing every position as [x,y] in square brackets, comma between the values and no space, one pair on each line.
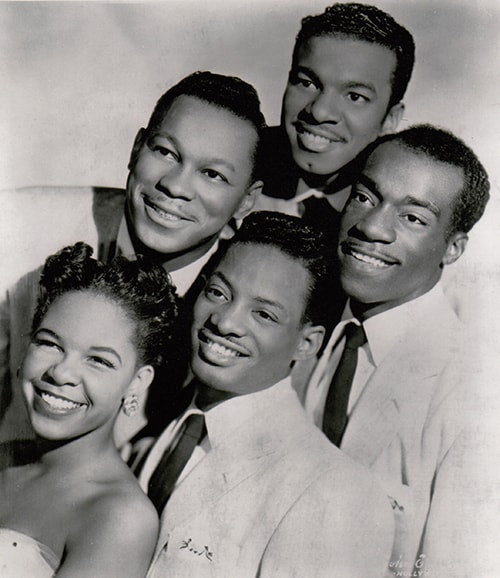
[141,288]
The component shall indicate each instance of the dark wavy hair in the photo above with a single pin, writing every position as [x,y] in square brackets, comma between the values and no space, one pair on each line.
[443,146]
[305,243]
[367,23]
[226,92]
[142,288]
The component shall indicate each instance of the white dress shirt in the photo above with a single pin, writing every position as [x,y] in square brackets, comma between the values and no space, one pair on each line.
[295,205]
[182,278]
[382,332]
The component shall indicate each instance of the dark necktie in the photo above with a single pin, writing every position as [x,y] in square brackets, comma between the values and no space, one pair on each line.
[319,213]
[335,416]
[164,478]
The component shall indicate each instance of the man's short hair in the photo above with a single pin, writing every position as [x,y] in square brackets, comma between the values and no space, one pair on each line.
[226,92]
[443,146]
[367,23]
[304,243]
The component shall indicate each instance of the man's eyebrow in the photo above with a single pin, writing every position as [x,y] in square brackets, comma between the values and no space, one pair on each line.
[370,184]
[270,303]
[206,160]
[425,204]
[222,277]
[305,70]
[353,84]
[260,300]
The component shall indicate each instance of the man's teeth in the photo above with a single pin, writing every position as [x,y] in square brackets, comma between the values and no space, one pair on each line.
[369,259]
[314,139]
[219,349]
[58,403]
[164,214]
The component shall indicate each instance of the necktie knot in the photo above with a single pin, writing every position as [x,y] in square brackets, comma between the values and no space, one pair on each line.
[355,336]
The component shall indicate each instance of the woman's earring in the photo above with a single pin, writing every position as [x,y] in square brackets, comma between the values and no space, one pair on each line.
[130,405]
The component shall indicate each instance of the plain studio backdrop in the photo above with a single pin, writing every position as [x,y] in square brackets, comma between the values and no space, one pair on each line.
[78,79]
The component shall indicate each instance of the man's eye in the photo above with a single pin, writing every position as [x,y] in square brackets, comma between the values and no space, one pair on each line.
[266,316]
[215,175]
[97,360]
[356,97]
[302,81]
[163,151]
[214,293]
[361,198]
[414,219]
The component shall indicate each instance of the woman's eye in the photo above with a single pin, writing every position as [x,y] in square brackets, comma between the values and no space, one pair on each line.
[101,361]
[215,175]
[41,342]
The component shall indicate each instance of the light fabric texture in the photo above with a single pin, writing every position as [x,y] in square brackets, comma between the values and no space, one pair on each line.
[272,497]
[417,422]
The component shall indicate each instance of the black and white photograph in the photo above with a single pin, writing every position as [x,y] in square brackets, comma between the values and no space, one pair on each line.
[249,289]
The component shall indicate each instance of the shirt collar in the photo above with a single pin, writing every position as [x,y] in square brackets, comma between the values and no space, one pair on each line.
[182,278]
[225,419]
[385,330]
[124,244]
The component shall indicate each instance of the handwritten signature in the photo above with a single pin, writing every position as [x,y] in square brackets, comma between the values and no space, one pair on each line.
[191,547]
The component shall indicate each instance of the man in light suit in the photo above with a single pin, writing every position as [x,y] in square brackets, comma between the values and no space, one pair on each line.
[191,171]
[408,410]
[264,493]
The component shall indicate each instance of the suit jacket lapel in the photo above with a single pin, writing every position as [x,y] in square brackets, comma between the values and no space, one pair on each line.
[232,462]
[395,383]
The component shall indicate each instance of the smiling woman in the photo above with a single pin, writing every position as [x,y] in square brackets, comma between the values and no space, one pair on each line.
[99,332]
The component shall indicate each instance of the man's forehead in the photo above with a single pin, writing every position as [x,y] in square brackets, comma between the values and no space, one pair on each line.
[394,163]
[267,261]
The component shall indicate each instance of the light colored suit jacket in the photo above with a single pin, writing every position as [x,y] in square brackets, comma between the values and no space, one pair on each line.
[275,498]
[36,222]
[416,426]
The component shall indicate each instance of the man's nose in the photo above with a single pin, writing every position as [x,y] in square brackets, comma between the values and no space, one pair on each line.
[324,107]
[229,319]
[177,183]
[378,225]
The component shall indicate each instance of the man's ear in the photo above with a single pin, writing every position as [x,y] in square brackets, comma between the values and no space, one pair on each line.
[456,247]
[248,201]
[310,342]
[140,139]
[392,119]
[141,381]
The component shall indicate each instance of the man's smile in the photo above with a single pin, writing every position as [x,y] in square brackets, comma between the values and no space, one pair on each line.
[162,213]
[316,139]
[372,259]
[216,349]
